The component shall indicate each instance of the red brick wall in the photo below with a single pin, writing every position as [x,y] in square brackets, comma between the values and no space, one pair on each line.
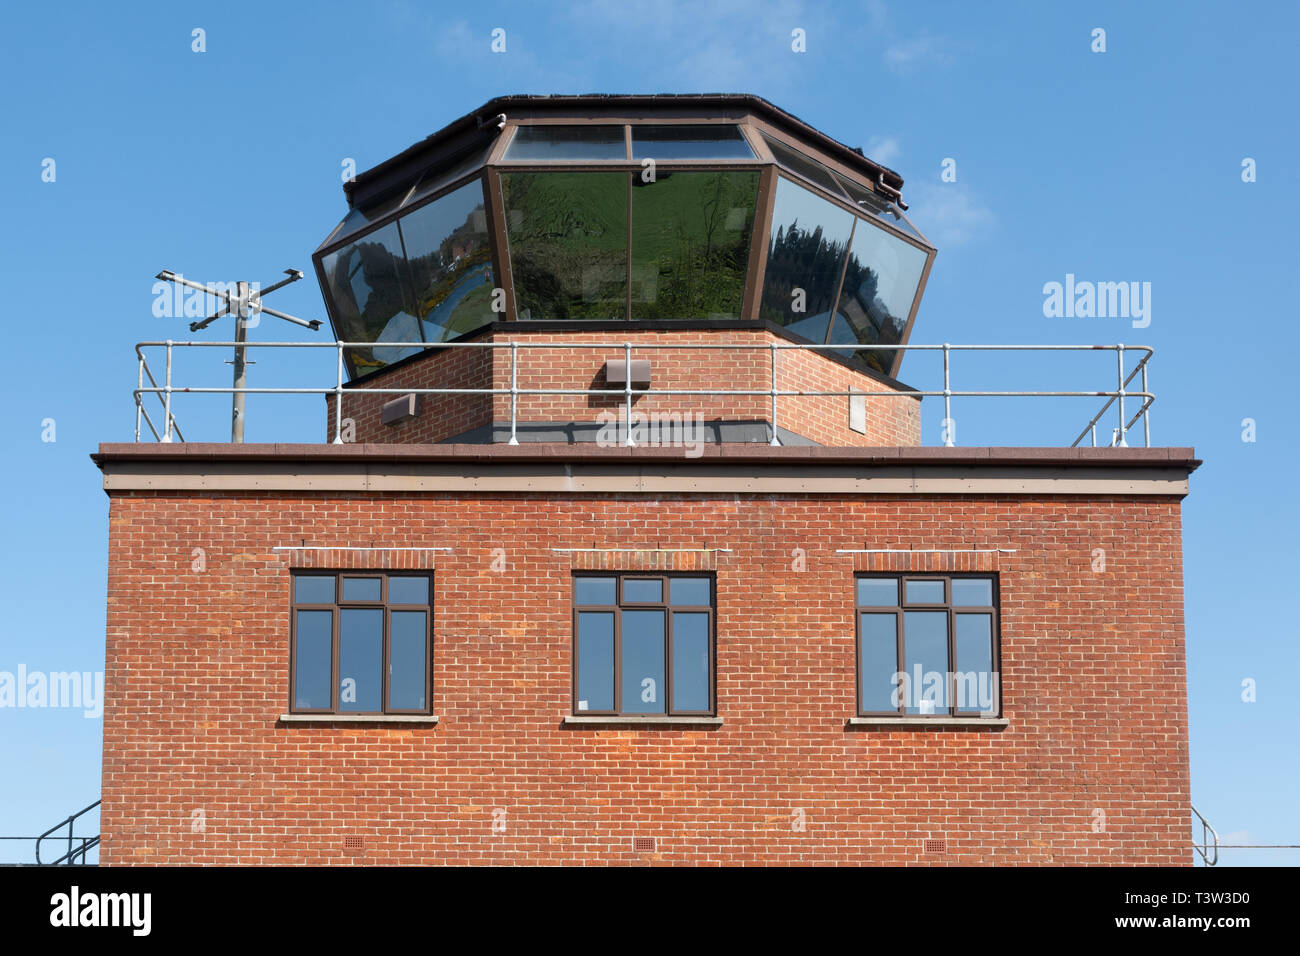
[1092,663]
[890,421]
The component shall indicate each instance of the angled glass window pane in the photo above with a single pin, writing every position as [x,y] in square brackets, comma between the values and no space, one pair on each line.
[408,653]
[601,591]
[690,661]
[369,286]
[313,660]
[925,650]
[360,217]
[361,642]
[689,591]
[450,260]
[690,141]
[877,662]
[313,589]
[806,252]
[643,591]
[408,590]
[436,179]
[877,592]
[568,243]
[805,166]
[361,589]
[595,661]
[924,592]
[880,284]
[874,204]
[974,671]
[643,662]
[567,142]
[972,592]
[690,244]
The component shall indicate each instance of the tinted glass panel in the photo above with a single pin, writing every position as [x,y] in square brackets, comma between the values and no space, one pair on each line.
[690,661]
[638,591]
[450,260]
[413,590]
[803,165]
[407,654]
[313,660]
[595,659]
[596,590]
[880,284]
[689,591]
[924,592]
[568,244]
[359,218]
[690,243]
[361,589]
[870,202]
[567,142]
[972,592]
[974,670]
[689,142]
[809,242]
[643,662]
[877,592]
[368,284]
[313,589]
[925,646]
[360,659]
[878,661]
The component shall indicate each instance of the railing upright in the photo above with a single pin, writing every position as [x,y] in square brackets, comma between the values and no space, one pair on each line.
[627,390]
[949,439]
[167,397]
[772,350]
[514,393]
[1119,356]
[338,399]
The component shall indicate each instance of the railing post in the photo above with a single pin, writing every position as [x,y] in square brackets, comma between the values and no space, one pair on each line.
[514,393]
[627,390]
[139,409]
[1119,354]
[167,397]
[772,349]
[1146,402]
[338,397]
[947,403]
[1093,429]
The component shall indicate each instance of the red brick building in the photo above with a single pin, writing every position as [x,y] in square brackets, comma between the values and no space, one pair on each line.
[488,622]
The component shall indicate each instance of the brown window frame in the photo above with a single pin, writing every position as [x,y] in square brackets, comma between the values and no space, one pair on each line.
[901,579]
[338,605]
[617,608]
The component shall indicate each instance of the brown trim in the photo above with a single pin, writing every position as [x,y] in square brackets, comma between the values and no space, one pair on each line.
[501,249]
[760,239]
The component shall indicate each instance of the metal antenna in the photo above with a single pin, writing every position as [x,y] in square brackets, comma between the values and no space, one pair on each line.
[244,303]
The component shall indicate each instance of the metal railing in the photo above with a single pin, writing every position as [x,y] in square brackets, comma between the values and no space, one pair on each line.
[78,847]
[1120,397]
[1208,850]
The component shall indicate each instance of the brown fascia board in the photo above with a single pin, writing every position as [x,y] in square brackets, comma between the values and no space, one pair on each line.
[415,159]
[751,454]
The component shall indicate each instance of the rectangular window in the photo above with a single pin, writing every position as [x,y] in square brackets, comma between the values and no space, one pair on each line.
[360,643]
[927,645]
[642,644]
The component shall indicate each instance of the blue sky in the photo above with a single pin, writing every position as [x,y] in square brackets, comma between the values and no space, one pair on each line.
[1117,166]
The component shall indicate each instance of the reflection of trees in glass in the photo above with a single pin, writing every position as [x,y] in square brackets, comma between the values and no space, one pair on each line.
[453,282]
[799,258]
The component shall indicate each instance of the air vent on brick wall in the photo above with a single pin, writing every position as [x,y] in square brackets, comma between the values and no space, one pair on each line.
[643,844]
[353,843]
[934,847]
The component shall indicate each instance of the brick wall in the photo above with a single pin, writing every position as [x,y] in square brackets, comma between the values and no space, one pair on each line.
[198,770]
[889,421]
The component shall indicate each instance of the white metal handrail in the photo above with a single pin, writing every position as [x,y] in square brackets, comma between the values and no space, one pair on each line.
[1117,397]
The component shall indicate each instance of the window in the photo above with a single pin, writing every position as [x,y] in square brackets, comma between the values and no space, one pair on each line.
[360,643]
[643,644]
[927,645]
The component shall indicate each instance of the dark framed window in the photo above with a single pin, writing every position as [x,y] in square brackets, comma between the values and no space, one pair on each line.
[928,645]
[361,642]
[643,644]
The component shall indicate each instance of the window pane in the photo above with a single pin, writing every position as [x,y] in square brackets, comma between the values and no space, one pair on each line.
[880,283]
[596,591]
[878,661]
[450,260]
[369,286]
[690,661]
[638,591]
[643,662]
[407,655]
[567,142]
[412,590]
[595,655]
[805,166]
[694,591]
[695,141]
[313,660]
[313,589]
[690,244]
[568,244]
[806,251]
[360,659]
[972,592]
[361,589]
[925,592]
[877,592]
[974,638]
[925,649]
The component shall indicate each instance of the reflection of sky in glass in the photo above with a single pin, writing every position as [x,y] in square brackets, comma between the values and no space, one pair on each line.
[974,639]
[313,660]
[643,662]
[360,658]
[690,661]
[595,660]
[407,655]
[925,645]
[878,660]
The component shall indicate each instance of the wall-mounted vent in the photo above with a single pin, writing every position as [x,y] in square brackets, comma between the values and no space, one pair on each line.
[643,844]
[400,410]
[934,847]
[353,843]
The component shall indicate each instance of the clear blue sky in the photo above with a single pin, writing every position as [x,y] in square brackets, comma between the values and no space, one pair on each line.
[1123,165]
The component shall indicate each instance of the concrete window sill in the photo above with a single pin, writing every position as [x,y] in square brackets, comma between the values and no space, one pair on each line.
[650,720]
[929,721]
[358,719]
